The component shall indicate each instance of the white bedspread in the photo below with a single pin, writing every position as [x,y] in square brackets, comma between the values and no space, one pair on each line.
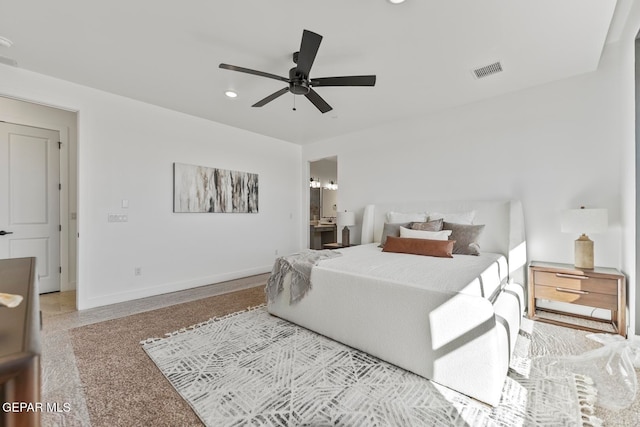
[472,275]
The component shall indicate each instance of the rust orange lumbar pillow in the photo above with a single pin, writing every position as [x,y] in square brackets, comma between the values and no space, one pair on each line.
[405,245]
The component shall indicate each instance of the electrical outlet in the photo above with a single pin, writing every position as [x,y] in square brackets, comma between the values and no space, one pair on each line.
[138,271]
[276,252]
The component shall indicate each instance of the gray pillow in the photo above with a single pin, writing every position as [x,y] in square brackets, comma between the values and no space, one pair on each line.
[391,229]
[434,225]
[466,237]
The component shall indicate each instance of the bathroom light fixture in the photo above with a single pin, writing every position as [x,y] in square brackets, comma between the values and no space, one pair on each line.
[231,94]
[331,186]
[5,42]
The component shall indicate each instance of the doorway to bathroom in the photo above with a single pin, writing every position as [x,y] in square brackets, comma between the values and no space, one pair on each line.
[323,196]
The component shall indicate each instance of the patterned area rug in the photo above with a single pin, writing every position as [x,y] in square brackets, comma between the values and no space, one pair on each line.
[251,368]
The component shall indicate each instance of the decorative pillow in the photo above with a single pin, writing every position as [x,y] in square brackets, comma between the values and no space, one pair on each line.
[458,218]
[396,217]
[391,230]
[435,225]
[466,237]
[437,248]
[419,234]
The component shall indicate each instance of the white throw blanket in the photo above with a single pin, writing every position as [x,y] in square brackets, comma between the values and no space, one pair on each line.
[299,265]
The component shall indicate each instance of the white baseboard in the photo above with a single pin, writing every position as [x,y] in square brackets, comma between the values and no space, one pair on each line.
[169,287]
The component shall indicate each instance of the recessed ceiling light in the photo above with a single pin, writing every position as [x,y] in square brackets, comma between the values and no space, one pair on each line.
[396,1]
[5,42]
[231,94]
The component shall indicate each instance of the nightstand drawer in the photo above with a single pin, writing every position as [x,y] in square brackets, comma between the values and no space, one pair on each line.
[575,282]
[577,296]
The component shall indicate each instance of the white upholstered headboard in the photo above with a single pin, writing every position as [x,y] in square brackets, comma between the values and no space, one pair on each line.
[504,230]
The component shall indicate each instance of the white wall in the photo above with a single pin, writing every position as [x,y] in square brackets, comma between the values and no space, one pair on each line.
[125,151]
[554,147]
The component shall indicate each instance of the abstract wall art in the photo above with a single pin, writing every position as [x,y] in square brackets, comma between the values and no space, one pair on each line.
[205,189]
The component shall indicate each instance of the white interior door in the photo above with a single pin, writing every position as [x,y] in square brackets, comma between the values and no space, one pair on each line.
[30,199]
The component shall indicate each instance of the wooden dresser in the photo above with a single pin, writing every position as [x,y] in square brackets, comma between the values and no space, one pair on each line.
[20,342]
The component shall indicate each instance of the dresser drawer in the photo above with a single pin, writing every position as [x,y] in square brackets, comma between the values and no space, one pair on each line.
[578,283]
[577,296]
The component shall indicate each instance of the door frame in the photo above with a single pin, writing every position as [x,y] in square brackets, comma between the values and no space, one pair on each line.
[63,194]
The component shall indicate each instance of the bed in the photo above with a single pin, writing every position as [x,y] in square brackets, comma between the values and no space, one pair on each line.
[451,320]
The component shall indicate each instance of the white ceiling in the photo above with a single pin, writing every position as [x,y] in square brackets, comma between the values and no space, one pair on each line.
[167,52]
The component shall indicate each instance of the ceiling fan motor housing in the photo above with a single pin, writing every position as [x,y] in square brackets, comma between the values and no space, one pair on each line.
[299,84]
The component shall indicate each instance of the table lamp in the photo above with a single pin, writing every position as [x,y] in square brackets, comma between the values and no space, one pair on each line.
[346,219]
[584,221]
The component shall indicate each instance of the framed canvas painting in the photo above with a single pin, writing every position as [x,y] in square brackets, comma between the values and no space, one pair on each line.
[206,189]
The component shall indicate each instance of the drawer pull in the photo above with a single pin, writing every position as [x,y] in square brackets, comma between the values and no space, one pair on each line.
[572,276]
[572,291]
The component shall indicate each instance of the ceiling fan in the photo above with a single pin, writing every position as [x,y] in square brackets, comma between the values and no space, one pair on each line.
[299,82]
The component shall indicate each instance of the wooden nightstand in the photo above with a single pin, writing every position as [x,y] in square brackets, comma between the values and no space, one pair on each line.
[598,288]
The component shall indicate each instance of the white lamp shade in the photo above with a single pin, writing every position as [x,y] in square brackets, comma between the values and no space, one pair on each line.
[584,221]
[346,219]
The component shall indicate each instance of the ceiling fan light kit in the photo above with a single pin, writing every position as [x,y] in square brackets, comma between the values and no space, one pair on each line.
[299,82]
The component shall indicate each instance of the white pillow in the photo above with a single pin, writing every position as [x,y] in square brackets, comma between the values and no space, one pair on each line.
[396,217]
[422,234]
[457,218]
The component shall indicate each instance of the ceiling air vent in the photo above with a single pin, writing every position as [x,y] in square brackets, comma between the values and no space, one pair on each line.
[487,70]
[8,61]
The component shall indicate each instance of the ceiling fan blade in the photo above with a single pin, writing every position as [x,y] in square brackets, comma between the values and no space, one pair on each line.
[254,72]
[308,51]
[317,100]
[345,81]
[271,97]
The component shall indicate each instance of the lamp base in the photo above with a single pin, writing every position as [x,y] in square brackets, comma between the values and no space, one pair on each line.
[584,252]
[345,236]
